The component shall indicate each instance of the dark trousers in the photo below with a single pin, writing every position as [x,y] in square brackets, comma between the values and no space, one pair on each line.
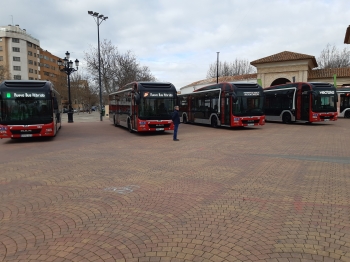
[176,126]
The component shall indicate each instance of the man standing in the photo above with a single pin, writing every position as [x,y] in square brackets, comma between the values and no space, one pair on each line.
[176,121]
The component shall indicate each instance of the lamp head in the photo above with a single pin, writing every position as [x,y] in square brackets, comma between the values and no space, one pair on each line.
[90,12]
[67,55]
[95,14]
[76,63]
[100,16]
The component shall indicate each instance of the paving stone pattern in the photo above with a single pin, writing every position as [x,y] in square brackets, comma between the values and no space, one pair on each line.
[95,192]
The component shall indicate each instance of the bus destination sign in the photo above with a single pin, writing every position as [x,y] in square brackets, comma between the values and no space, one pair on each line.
[158,94]
[251,93]
[11,95]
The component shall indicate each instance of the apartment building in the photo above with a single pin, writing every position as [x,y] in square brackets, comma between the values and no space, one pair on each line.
[50,71]
[19,53]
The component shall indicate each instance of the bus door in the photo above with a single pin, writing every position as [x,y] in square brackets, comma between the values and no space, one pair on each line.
[305,103]
[227,112]
[133,111]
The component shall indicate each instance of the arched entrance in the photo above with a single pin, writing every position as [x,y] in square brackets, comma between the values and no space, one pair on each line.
[280,81]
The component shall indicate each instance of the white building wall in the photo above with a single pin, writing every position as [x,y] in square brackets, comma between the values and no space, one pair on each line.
[10,32]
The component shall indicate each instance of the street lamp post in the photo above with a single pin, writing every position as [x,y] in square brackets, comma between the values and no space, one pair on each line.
[67,67]
[217,67]
[99,19]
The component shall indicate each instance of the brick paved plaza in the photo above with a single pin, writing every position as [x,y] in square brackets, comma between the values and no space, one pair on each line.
[98,193]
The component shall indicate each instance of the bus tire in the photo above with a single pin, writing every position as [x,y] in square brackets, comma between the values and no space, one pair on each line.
[129,127]
[184,119]
[286,118]
[347,114]
[214,122]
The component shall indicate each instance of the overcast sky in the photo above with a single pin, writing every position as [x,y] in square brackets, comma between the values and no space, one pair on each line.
[178,39]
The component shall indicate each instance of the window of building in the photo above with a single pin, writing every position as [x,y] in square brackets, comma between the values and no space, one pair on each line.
[16,49]
[46,73]
[17,68]
[30,53]
[15,40]
[30,62]
[36,72]
[16,58]
[29,44]
[35,63]
[17,77]
[31,70]
[1,58]
[34,54]
[0,39]
[0,48]
[31,78]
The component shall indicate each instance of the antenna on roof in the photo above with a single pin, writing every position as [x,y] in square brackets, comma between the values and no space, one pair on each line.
[12,19]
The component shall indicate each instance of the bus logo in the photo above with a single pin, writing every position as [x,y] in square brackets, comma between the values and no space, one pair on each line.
[8,95]
[145,94]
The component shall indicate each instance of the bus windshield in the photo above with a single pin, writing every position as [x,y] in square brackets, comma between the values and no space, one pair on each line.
[247,106]
[26,111]
[156,108]
[324,103]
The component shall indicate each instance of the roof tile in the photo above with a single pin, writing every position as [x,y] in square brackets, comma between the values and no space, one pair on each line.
[284,56]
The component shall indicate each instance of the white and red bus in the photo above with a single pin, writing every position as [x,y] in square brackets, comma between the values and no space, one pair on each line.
[29,109]
[143,106]
[343,102]
[302,101]
[224,104]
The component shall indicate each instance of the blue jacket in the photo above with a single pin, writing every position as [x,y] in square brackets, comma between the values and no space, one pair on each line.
[176,117]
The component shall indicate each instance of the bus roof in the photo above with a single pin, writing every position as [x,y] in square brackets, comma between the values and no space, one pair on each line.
[311,84]
[228,86]
[147,85]
[24,83]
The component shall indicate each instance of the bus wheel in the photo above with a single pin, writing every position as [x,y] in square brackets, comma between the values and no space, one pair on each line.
[286,118]
[214,122]
[184,119]
[129,127]
[347,114]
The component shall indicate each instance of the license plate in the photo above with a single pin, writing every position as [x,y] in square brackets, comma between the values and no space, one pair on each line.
[159,129]
[26,135]
[251,124]
[325,119]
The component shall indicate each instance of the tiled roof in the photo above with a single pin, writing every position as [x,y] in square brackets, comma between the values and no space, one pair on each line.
[223,79]
[329,72]
[347,36]
[284,56]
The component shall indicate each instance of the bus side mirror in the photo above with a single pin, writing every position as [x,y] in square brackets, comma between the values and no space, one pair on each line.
[234,98]
[314,93]
[55,103]
[137,98]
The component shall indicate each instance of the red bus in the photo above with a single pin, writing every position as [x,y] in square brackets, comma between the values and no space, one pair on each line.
[29,109]
[302,101]
[143,106]
[344,102]
[224,104]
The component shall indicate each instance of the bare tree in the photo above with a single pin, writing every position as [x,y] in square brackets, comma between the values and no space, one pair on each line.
[237,67]
[83,92]
[331,57]
[117,69]
[4,73]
